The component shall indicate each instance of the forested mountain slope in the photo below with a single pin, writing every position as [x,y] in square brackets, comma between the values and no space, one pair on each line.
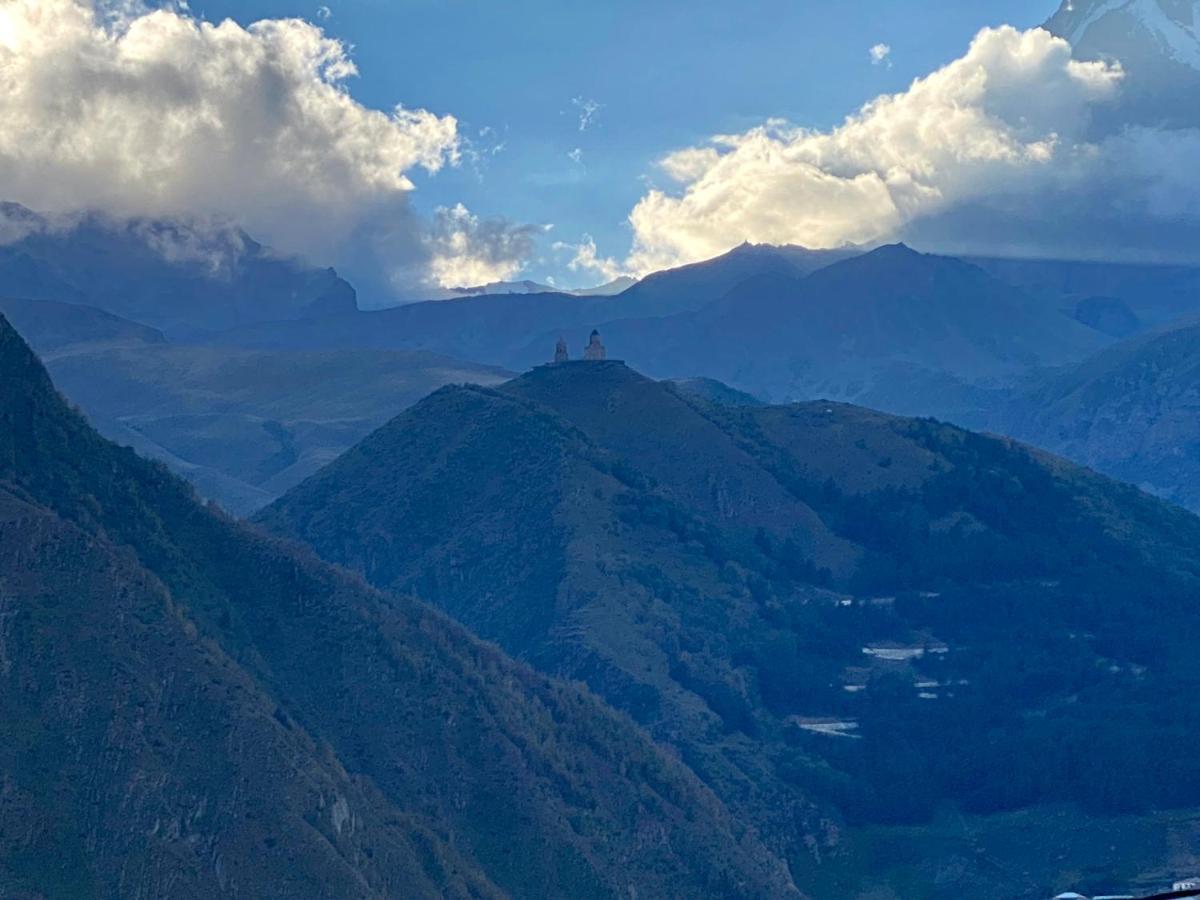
[805,600]
[192,709]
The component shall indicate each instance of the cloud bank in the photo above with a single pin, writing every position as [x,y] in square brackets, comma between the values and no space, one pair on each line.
[989,153]
[154,113]
[468,251]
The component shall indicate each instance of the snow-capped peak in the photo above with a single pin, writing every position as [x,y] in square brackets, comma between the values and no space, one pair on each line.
[1113,26]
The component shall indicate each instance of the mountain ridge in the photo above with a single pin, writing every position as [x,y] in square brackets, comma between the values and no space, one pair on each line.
[766,588]
[892,328]
[457,772]
[1128,411]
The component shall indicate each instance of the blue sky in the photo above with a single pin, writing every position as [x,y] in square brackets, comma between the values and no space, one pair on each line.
[664,75]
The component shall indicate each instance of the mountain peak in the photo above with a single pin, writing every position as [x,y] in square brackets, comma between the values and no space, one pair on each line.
[1075,17]
[1157,44]
[894,258]
[895,251]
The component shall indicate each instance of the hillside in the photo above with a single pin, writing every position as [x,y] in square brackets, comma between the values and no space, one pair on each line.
[192,709]
[51,326]
[803,599]
[246,425]
[242,426]
[1132,412]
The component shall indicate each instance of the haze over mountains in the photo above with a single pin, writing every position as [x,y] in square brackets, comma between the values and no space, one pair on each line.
[757,318]
[1131,411]
[242,425]
[888,328]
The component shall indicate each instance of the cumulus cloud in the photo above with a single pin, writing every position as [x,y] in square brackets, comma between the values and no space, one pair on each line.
[162,114]
[136,112]
[989,151]
[1007,113]
[466,251]
[880,54]
[586,258]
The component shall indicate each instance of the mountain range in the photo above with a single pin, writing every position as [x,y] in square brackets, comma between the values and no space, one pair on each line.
[782,323]
[249,411]
[892,329]
[193,709]
[305,600]
[803,600]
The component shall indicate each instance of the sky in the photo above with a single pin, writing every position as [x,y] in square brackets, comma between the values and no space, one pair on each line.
[569,106]
[423,145]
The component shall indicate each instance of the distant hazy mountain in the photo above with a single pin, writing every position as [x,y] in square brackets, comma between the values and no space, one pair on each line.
[806,601]
[1153,295]
[493,329]
[517,330]
[499,288]
[608,289]
[504,288]
[242,425]
[1157,43]
[171,276]
[1132,411]
[695,286]
[189,709]
[52,326]
[892,329]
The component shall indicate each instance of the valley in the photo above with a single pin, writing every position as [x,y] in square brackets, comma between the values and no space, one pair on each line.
[617,451]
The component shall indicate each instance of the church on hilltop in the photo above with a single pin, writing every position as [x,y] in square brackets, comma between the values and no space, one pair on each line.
[593,352]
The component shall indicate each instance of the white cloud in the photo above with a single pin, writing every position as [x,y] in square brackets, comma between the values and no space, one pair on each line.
[587,111]
[576,156]
[990,151]
[585,258]
[880,54]
[324,13]
[155,113]
[466,251]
